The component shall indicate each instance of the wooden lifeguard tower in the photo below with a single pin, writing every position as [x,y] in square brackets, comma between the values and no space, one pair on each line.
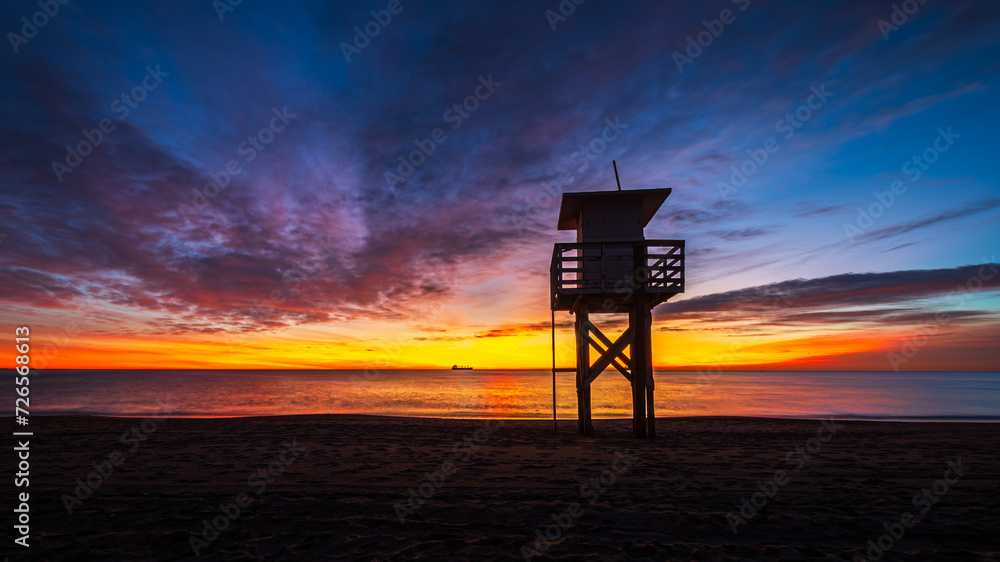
[613,269]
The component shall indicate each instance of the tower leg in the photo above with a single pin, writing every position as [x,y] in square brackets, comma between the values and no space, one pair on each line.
[579,374]
[582,371]
[638,354]
[650,415]
[639,409]
[640,321]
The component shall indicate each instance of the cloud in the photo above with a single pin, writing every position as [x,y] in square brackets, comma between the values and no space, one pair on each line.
[510,330]
[743,234]
[308,232]
[809,211]
[891,297]
[913,107]
[946,216]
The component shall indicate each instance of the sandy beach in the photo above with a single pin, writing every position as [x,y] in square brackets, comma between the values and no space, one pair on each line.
[367,488]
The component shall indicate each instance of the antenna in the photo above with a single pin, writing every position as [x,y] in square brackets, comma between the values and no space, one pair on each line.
[616,175]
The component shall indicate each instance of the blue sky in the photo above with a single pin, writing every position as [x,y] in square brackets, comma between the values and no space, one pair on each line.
[470,232]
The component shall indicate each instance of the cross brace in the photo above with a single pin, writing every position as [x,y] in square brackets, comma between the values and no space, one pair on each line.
[611,354]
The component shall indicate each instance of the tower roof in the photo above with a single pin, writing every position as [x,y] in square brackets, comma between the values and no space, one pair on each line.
[651,199]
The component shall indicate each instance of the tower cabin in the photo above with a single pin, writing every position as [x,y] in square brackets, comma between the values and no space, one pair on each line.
[613,269]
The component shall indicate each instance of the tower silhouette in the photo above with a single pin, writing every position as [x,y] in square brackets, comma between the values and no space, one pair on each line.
[613,269]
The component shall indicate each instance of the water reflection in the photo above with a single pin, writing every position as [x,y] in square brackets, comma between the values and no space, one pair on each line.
[514,394]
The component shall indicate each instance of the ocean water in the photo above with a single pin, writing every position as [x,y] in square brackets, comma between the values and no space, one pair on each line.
[959,396]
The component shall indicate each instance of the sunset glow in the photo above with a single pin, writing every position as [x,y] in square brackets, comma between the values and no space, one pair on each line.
[835,185]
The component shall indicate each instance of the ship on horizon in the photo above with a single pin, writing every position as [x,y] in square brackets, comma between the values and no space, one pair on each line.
[461,367]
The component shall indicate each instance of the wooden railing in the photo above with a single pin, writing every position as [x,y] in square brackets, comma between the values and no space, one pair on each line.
[611,268]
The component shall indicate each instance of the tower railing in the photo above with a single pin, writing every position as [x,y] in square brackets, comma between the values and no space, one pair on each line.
[608,270]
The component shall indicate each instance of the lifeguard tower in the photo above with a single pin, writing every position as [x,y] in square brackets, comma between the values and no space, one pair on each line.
[613,269]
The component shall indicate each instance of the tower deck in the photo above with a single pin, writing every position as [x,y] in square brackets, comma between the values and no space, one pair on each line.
[604,275]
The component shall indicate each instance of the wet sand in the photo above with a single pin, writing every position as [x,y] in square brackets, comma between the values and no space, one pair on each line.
[367,488]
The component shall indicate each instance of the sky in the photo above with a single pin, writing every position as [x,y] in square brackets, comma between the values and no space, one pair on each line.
[376,184]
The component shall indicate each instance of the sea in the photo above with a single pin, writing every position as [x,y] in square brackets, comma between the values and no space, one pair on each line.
[910,396]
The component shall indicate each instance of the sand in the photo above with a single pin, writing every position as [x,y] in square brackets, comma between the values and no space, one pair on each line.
[349,487]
